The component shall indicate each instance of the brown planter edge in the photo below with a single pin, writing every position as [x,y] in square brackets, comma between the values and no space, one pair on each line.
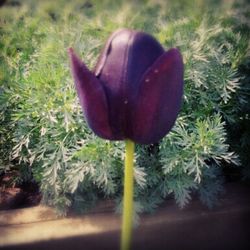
[195,227]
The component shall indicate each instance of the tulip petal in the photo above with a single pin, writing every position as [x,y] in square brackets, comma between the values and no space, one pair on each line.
[158,98]
[92,97]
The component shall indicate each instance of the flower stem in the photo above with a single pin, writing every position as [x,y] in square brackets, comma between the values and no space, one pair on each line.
[127,218]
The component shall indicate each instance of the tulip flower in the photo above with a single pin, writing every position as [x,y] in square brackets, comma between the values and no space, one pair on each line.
[135,90]
[133,94]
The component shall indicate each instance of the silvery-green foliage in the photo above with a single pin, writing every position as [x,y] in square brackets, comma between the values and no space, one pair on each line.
[211,186]
[187,152]
[42,130]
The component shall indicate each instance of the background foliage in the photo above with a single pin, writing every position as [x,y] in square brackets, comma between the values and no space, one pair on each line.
[44,137]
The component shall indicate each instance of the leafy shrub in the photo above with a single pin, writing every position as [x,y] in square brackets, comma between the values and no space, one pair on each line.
[43,133]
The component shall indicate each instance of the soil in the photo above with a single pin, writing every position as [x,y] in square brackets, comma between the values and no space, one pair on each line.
[28,194]
[17,196]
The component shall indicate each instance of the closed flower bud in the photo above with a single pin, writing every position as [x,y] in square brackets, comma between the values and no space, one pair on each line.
[135,90]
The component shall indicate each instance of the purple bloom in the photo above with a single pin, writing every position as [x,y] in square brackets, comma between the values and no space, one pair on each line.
[135,90]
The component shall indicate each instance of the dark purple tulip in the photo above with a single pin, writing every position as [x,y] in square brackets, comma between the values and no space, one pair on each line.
[135,90]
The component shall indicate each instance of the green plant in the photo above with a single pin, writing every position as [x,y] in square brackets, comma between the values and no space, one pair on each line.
[41,123]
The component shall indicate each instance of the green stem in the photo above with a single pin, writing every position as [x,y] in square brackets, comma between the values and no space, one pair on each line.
[127,218]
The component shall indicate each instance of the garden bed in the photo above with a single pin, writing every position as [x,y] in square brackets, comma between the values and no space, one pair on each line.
[47,150]
[14,196]
[195,227]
